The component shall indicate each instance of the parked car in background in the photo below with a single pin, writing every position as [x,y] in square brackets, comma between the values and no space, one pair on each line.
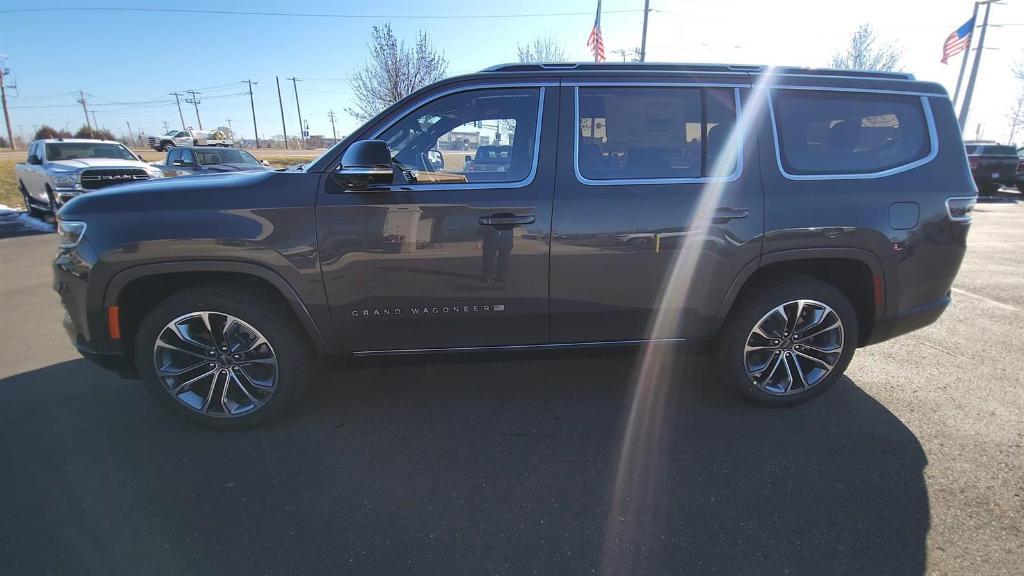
[197,160]
[57,170]
[490,159]
[828,210]
[188,138]
[992,165]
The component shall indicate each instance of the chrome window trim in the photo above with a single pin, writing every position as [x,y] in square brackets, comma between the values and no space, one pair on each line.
[737,171]
[467,88]
[859,90]
[933,140]
[694,84]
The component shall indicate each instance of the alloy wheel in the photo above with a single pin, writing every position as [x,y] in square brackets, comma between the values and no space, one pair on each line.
[793,347]
[216,364]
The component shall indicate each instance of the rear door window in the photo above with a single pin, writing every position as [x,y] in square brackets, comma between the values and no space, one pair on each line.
[834,133]
[653,133]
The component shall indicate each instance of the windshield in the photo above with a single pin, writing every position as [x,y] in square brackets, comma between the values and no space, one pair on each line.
[56,151]
[224,156]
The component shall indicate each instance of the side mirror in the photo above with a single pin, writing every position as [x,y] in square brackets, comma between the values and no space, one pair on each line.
[33,159]
[264,162]
[364,164]
[468,158]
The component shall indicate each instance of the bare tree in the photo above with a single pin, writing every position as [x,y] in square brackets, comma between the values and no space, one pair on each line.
[867,51]
[394,71]
[541,49]
[1016,113]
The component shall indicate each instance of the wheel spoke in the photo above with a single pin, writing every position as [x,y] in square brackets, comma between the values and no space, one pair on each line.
[819,331]
[245,390]
[209,394]
[181,387]
[179,371]
[800,372]
[162,344]
[824,364]
[186,338]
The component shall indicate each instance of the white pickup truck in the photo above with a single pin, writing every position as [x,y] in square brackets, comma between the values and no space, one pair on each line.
[188,138]
[59,169]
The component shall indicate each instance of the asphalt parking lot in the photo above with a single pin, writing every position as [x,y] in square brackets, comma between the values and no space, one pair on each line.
[913,464]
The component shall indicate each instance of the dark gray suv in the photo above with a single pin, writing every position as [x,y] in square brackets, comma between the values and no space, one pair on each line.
[785,216]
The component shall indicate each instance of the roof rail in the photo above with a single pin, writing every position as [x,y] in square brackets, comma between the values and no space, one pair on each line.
[695,67]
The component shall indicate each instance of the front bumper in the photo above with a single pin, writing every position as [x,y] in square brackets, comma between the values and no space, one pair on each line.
[85,324]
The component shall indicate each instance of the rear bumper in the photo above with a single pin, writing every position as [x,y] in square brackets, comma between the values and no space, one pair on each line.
[913,319]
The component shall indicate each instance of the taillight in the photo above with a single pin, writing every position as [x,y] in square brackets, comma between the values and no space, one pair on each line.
[1020,167]
[973,161]
[960,209]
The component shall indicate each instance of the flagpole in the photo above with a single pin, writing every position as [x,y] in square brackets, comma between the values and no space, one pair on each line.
[966,108]
[967,53]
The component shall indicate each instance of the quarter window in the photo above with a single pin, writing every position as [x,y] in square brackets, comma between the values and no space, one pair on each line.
[829,133]
[475,136]
[654,133]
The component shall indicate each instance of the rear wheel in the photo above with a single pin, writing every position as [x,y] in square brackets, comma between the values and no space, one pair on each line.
[788,340]
[224,356]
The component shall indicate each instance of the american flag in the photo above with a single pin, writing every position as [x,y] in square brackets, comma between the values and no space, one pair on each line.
[595,42]
[958,41]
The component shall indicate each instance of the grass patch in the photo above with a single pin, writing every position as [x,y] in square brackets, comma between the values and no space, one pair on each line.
[9,194]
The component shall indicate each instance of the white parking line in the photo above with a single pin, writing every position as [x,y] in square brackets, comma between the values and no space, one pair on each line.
[989,300]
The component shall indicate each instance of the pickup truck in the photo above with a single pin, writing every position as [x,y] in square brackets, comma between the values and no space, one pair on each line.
[57,170]
[188,138]
[992,165]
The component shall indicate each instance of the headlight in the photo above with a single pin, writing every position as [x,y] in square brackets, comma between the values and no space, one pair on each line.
[66,180]
[156,174]
[69,233]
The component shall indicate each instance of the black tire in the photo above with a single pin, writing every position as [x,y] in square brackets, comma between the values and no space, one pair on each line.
[30,207]
[758,301]
[296,358]
[165,146]
[988,189]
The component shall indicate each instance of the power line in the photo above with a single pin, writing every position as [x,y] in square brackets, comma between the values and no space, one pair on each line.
[315,15]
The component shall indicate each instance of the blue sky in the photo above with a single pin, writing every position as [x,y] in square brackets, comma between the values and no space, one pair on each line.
[135,57]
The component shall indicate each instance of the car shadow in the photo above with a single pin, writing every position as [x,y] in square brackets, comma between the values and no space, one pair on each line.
[454,465]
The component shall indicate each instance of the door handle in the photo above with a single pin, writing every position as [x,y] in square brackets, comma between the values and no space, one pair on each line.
[507,220]
[723,215]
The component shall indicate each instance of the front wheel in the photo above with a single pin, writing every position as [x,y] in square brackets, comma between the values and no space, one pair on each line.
[165,146]
[788,340]
[30,207]
[224,356]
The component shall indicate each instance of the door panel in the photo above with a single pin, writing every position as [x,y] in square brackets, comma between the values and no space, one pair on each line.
[617,237]
[444,257]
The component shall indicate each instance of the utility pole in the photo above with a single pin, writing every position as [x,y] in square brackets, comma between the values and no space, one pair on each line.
[334,132]
[130,133]
[967,53]
[643,39]
[3,99]
[280,104]
[252,105]
[167,127]
[230,129]
[81,100]
[177,99]
[302,132]
[194,100]
[965,109]
[94,122]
